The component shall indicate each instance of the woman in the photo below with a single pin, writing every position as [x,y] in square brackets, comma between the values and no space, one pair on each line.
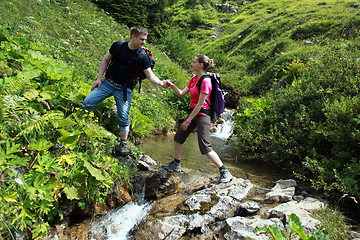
[197,119]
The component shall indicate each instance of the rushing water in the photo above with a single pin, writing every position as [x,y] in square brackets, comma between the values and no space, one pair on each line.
[116,224]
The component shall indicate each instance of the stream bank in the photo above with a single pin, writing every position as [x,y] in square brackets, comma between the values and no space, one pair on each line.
[191,204]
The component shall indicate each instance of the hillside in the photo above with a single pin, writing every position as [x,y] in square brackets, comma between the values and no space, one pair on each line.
[253,44]
[79,33]
[265,37]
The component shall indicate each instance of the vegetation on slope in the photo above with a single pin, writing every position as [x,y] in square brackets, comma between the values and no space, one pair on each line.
[51,150]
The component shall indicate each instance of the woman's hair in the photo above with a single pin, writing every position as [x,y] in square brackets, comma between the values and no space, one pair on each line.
[205,60]
[137,31]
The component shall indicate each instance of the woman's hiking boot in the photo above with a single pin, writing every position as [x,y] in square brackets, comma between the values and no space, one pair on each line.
[174,165]
[225,176]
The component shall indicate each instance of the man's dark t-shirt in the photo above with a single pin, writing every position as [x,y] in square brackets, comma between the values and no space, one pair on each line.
[124,63]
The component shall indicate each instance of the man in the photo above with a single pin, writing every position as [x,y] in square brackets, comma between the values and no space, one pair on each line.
[120,78]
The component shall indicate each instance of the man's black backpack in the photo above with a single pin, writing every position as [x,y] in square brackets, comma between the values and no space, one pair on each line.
[217,101]
[142,53]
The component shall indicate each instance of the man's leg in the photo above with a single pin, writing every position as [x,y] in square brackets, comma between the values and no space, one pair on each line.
[123,109]
[124,134]
[97,95]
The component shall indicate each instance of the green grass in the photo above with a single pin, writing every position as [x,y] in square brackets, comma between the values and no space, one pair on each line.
[266,35]
[253,45]
[333,223]
[79,33]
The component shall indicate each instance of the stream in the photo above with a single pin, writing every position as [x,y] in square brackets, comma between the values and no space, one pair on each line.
[117,223]
[161,149]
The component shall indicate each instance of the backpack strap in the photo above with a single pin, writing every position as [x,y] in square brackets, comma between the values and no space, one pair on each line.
[141,54]
[198,84]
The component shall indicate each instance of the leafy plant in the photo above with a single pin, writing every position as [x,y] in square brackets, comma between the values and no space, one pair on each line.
[295,228]
[311,126]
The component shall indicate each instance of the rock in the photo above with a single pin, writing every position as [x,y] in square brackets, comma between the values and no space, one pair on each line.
[194,202]
[147,159]
[286,183]
[238,189]
[118,197]
[248,208]
[203,208]
[143,166]
[100,209]
[243,228]
[283,191]
[161,184]
[201,182]
[231,98]
[167,206]
[226,8]
[298,198]
[301,209]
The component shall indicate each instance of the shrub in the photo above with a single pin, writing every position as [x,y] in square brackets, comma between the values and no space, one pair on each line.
[311,125]
[177,46]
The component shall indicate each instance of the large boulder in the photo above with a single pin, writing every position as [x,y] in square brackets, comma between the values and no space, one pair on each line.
[283,191]
[302,209]
[160,184]
[243,228]
[198,211]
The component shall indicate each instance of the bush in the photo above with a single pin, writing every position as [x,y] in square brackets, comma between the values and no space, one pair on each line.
[311,125]
[177,47]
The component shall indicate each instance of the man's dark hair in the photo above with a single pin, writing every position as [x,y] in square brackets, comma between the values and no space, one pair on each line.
[138,30]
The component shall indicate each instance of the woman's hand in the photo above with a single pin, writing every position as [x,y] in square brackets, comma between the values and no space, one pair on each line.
[184,125]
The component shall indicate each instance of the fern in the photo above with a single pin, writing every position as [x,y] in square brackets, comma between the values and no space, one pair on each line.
[38,127]
[13,107]
[15,86]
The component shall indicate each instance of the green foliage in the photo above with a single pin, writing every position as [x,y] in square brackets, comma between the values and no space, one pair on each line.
[333,223]
[265,36]
[295,228]
[127,12]
[312,125]
[176,45]
[45,165]
[49,58]
[141,125]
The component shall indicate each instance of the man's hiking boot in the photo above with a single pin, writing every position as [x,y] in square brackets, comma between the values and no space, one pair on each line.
[175,166]
[225,176]
[122,149]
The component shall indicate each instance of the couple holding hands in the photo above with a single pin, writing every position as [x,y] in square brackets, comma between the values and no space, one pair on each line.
[121,72]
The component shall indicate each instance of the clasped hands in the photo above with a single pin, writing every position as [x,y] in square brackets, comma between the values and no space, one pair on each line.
[166,83]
